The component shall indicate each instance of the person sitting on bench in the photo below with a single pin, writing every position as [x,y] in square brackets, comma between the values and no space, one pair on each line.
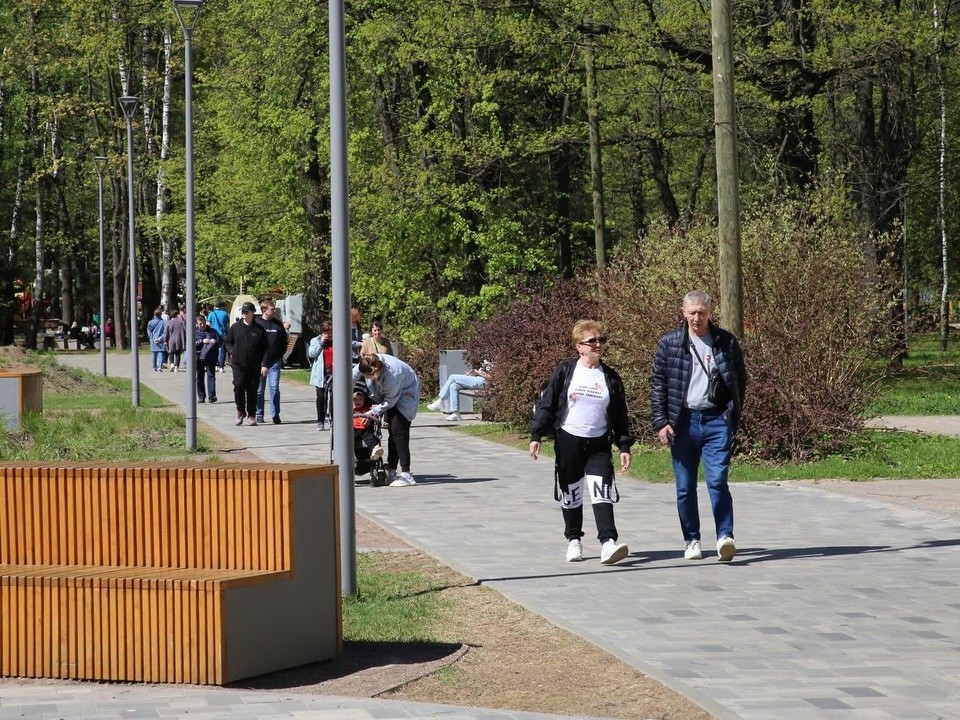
[449,400]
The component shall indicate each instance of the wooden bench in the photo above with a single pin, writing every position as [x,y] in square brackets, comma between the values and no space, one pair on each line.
[202,574]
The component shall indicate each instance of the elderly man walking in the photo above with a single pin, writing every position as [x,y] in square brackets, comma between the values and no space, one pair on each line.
[696,398]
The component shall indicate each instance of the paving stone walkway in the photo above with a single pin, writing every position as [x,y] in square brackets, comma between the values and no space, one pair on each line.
[836,606]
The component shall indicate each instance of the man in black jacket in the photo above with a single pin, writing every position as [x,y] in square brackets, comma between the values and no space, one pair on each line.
[247,344]
[696,397]
[273,359]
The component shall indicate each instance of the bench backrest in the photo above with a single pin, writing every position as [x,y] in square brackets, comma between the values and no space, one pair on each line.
[149,515]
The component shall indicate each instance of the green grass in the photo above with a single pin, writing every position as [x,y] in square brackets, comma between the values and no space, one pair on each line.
[928,383]
[391,605]
[89,417]
[873,454]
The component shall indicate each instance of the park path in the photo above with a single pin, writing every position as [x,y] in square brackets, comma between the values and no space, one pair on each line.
[836,606]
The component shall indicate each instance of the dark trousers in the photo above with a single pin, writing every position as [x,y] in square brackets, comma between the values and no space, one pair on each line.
[206,378]
[245,386]
[584,467]
[398,444]
[364,441]
[323,394]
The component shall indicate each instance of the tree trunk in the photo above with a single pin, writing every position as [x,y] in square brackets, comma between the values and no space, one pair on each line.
[942,181]
[166,243]
[596,164]
[118,261]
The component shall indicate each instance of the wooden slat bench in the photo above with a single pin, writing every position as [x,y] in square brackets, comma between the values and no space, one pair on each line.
[201,574]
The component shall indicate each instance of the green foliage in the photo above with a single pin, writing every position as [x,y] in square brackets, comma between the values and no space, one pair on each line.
[390,605]
[927,384]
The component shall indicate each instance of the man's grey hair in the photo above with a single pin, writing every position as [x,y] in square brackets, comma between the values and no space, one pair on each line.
[698,297]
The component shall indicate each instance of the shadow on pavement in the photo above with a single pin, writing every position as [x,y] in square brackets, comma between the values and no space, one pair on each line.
[366,669]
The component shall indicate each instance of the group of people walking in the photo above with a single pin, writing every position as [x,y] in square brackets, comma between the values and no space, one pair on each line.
[254,344]
[696,398]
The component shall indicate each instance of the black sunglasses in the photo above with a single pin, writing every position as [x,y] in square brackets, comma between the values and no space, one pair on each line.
[599,340]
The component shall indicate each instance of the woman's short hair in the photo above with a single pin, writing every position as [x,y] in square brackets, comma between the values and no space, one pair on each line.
[582,327]
[370,365]
[377,324]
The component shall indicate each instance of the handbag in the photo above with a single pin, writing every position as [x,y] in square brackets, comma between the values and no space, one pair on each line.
[717,392]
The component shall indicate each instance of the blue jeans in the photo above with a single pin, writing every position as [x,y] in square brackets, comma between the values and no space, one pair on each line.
[703,435]
[159,358]
[450,392]
[273,380]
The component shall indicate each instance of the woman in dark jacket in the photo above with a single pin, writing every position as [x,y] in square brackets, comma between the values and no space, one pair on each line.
[585,405]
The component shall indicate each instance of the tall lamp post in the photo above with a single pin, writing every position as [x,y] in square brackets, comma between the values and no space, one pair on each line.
[340,275]
[129,105]
[187,13]
[100,162]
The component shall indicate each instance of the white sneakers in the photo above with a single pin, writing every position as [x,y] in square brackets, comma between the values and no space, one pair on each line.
[403,479]
[692,550]
[436,405]
[612,552]
[454,417]
[726,548]
[377,453]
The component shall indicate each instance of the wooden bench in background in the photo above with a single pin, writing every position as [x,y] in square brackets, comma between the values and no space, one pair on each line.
[196,574]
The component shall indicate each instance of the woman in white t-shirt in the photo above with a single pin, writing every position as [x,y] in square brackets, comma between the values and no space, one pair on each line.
[585,406]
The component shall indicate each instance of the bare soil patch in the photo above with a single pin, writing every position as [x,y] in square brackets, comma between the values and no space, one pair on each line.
[489,652]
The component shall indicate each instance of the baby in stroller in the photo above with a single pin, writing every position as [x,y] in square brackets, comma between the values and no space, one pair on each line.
[366,439]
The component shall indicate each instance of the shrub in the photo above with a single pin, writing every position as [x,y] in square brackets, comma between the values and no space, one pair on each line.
[811,316]
[525,342]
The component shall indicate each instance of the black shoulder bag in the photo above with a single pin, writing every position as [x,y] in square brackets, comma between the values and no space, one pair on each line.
[717,392]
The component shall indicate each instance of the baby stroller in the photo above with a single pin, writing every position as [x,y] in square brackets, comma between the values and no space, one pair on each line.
[367,435]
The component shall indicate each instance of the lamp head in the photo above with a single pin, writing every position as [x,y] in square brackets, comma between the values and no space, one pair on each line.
[100,162]
[187,13]
[129,105]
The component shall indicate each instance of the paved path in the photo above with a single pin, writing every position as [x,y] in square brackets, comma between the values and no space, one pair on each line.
[836,606]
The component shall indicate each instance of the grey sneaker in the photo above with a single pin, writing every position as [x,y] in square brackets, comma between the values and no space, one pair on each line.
[454,417]
[613,552]
[692,550]
[240,417]
[436,405]
[574,551]
[726,548]
[252,421]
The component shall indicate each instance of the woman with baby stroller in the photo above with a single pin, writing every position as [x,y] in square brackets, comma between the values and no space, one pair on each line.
[395,389]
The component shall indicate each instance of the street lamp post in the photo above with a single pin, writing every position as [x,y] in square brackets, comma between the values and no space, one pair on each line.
[99,163]
[129,105]
[340,275]
[187,13]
